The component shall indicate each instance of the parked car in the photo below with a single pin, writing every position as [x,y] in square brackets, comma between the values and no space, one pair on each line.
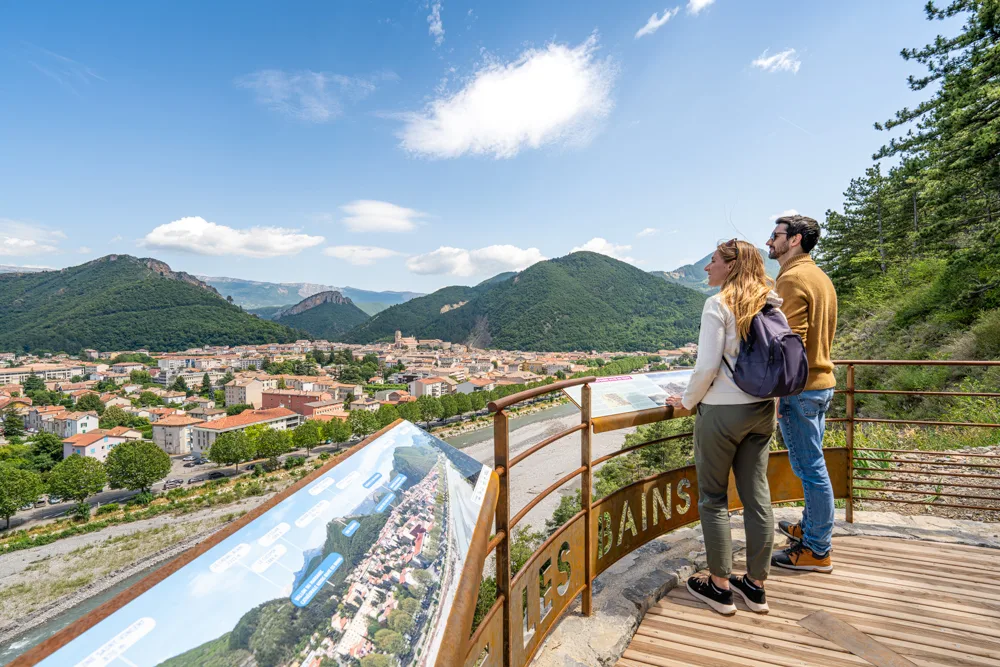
[190,464]
[189,457]
[54,500]
[40,502]
[195,480]
[23,508]
[216,475]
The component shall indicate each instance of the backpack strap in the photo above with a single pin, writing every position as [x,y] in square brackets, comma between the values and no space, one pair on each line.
[731,371]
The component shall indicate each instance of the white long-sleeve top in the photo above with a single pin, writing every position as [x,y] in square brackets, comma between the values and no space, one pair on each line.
[712,383]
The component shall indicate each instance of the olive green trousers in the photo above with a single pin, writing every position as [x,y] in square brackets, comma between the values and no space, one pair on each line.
[735,437]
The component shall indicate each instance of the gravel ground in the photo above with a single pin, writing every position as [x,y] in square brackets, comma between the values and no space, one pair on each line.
[990,496]
[41,583]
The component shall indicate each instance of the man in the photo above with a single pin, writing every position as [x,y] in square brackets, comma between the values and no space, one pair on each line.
[810,304]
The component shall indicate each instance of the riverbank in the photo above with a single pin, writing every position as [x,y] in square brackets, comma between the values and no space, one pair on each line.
[44,583]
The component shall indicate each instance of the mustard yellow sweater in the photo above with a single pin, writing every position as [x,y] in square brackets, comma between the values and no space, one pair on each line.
[810,304]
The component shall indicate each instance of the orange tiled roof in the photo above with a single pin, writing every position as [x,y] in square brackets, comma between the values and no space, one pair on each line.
[84,439]
[246,418]
[177,420]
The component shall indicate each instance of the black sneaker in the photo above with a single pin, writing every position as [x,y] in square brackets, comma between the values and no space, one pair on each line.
[719,600]
[753,595]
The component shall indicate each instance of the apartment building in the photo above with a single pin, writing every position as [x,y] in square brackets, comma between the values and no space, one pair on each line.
[280,419]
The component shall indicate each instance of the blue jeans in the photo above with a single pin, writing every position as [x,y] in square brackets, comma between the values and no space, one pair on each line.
[803,421]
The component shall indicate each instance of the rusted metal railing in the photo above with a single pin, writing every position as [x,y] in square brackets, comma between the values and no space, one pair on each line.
[924,462]
[529,603]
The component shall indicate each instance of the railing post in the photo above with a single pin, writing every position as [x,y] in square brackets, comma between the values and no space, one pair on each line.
[849,512]
[586,495]
[501,456]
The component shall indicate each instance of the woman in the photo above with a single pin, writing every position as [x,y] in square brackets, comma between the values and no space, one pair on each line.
[732,431]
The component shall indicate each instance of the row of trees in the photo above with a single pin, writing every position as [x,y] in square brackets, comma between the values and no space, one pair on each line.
[135,465]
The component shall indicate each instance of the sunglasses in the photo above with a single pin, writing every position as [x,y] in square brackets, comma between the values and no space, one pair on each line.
[775,235]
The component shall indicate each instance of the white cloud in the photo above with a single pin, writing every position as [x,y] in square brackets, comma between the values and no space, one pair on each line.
[695,6]
[461,262]
[84,250]
[786,61]
[557,94]
[656,22]
[648,231]
[116,238]
[20,239]
[67,72]
[605,247]
[434,26]
[314,97]
[367,215]
[197,235]
[790,211]
[359,255]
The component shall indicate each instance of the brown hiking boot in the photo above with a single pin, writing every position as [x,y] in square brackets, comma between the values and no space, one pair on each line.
[798,557]
[792,531]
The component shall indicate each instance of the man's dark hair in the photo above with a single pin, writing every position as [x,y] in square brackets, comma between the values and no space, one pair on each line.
[800,224]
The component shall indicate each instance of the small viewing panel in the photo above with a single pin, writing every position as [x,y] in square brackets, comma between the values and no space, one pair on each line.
[364,560]
[632,393]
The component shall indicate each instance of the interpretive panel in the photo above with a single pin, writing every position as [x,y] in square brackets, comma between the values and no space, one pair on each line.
[631,393]
[365,560]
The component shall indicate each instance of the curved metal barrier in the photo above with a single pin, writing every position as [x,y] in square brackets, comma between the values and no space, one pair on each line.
[529,604]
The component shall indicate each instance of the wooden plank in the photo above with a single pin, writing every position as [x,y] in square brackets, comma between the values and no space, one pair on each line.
[786,654]
[930,549]
[959,648]
[698,655]
[912,558]
[889,565]
[845,635]
[822,583]
[890,542]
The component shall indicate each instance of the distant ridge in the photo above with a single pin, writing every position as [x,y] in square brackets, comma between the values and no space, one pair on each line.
[120,302]
[327,315]
[583,301]
[694,276]
[255,294]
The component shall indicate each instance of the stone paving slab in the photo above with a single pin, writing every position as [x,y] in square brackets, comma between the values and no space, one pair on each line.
[625,591]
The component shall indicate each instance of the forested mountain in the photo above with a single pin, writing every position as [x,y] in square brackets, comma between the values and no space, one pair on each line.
[581,301]
[694,276]
[255,294]
[120,302]
[912,252]
[327,315]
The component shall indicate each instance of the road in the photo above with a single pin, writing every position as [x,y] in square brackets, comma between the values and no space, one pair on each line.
[177,471]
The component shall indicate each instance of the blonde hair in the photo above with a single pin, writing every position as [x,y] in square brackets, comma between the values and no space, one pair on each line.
[747,285]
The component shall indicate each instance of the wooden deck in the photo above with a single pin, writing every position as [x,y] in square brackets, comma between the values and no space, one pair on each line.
[934,604]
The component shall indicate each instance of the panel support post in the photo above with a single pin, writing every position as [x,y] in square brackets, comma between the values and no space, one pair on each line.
[586,495]
[501,458]
[849,511]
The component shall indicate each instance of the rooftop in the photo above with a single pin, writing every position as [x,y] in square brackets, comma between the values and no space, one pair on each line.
[246,418]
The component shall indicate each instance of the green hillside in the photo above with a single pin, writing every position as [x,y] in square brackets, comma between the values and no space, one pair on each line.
[694,276]
[121,302]
[327,315]
[578,302]
[413,317]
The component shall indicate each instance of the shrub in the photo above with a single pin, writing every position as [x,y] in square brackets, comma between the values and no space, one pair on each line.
[140,499]
[81,512]
[294,462]
[108,508]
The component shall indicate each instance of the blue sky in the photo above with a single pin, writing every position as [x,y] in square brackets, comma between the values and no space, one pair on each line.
[413,144]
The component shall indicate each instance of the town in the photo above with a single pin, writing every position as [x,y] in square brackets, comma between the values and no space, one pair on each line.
[232,405]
